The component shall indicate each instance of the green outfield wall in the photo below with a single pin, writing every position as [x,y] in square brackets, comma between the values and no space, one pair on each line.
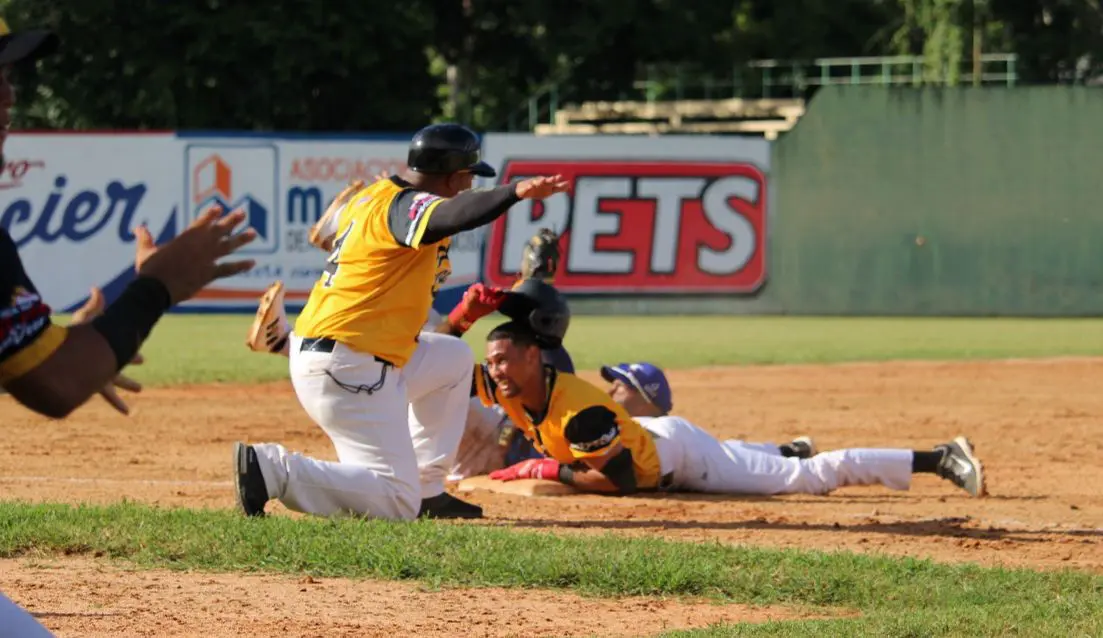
[966,201]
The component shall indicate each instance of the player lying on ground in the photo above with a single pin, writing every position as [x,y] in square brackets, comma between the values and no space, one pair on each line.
[593,444]
[491,441]
[391,398]
[482,450]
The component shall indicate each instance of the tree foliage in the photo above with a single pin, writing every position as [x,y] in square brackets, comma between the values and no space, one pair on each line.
[218,64]
[345,65]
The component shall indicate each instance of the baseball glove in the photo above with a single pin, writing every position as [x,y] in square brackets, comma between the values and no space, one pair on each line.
[540,259]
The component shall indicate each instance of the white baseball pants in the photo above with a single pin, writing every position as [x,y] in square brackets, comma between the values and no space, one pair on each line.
[479,452]
[701,463]
[395,444]
[16,622]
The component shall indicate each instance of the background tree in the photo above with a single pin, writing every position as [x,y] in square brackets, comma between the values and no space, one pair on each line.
[215,64]
[370,65]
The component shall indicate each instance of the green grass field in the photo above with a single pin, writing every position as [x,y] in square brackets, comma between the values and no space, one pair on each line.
[206,348]
[897,597]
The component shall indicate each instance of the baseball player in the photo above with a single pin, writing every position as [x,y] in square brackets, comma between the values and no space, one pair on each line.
[489,441]
[391,398]
[643,391]
[593,444]
[52,369]
[640,388]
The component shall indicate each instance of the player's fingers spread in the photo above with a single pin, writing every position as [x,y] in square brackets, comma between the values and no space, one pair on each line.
[95,298]
[208,215]
[114,401]
[143,237]
[231,268]
[231,244]
[126,383]
[229,222]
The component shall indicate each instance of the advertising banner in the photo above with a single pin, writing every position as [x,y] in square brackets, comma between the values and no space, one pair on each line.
[71,204]
[656,215]
[72,201]
[664,215]
[284,185]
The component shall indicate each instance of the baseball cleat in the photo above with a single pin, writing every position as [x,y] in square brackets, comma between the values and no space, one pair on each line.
[804,446]
[270,327]
[444,505]
[252,493]
[961,467]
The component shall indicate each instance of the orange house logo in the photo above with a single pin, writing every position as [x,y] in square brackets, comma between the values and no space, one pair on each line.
[212,182]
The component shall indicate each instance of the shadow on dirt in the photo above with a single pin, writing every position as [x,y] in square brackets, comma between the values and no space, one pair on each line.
[953,527]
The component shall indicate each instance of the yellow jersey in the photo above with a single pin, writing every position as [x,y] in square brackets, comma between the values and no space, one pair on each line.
[579,422]
[380,279]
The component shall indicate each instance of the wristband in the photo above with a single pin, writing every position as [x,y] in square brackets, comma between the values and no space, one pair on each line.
[126,323]
[566,474]
[457,322]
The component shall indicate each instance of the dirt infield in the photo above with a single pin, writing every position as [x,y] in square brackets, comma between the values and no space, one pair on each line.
[77,597]
[1036,425]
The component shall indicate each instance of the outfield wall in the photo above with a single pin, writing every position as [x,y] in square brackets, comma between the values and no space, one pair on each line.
[972,201]
[968,201]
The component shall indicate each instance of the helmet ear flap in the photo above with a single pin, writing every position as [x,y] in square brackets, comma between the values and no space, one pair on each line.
[550,327]
[542,307]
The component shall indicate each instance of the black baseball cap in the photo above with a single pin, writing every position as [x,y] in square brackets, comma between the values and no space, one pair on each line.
[25,46]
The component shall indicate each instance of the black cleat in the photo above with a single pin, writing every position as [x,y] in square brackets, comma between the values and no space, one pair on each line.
[252,493]
[961,467]
[444,505]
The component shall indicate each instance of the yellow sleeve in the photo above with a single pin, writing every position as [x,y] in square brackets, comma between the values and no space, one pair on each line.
[32,354]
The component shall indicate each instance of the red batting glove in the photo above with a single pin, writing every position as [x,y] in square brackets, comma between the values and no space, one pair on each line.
[546,469]
[478,301]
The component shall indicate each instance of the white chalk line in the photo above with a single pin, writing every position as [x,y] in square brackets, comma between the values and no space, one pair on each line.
[69,479]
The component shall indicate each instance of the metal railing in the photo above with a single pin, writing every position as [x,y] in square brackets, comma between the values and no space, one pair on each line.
[781,79]
[900,70]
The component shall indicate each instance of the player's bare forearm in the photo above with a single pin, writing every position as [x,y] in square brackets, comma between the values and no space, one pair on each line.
[445,327]
[615,469]
[589,481]
[80,367]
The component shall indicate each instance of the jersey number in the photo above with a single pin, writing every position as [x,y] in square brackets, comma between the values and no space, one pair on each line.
[334,257]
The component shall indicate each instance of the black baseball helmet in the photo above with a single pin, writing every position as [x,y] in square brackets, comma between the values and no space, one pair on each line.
[447,148]
[542,307]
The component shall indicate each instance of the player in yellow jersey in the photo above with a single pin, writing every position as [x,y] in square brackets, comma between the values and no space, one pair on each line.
[595,445]
[590,441]
[391,398]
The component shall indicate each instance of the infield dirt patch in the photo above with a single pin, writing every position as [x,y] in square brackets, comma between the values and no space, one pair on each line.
[1036,425]
[80,597]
